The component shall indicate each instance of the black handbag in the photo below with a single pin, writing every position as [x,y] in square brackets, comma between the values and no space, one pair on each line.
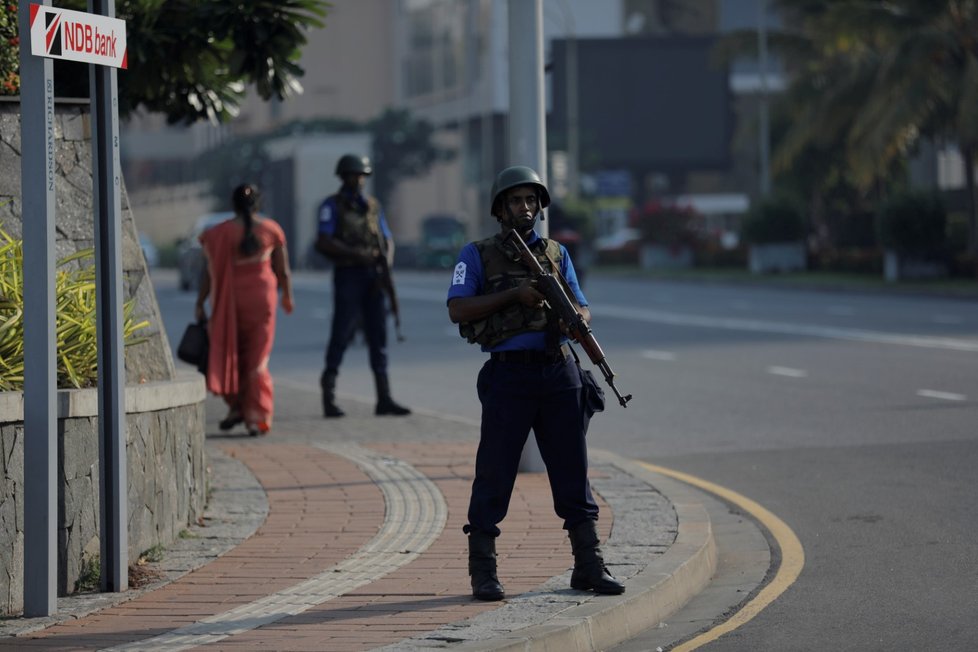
[195,345]
[592,394]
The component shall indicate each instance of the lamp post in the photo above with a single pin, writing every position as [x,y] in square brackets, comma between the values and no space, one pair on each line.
[763,118]
[527,125]
[571,99]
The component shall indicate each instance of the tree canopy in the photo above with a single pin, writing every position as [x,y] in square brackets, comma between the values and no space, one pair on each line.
[870,79]
[403,147]
[192,60]
[9,50]
[884,74]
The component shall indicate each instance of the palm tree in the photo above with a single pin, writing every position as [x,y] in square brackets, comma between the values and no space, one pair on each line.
[882,76]
[809,124]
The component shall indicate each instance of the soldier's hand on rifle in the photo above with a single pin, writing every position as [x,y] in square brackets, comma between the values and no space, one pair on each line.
[367,255]
[529,295]
[566,329]
[579,324]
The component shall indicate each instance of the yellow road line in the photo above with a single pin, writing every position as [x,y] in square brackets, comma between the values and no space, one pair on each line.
[792,556]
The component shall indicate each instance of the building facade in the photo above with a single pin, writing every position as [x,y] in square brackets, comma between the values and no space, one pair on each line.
[446,61]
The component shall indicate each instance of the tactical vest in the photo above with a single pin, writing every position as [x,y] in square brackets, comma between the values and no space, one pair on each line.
[503,269]
[354,228]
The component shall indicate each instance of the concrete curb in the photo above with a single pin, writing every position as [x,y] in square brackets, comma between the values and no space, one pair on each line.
[660,588]
[652,595]
[185,389]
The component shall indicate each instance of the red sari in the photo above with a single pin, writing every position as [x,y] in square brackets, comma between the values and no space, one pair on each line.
[244,298]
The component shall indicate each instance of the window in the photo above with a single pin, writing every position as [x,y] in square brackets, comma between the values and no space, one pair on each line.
[435,60]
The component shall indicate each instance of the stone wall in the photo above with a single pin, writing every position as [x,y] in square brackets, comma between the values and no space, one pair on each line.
[164,414]
[166,474]
[152,359]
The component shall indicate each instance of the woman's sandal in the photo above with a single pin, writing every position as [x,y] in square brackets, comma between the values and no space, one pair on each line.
[258,429]
[230,421]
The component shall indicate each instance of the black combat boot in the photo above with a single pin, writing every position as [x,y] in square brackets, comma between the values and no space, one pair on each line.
[385,404]
[590,573]
[328,384]
[482,567]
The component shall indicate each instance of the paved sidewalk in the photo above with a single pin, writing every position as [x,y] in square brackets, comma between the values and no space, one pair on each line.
[347,535]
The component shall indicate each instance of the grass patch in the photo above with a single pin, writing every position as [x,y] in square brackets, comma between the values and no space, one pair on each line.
[90,576]
[140,574]
[154,554]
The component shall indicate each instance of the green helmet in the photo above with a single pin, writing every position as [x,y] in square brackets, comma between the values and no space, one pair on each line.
[353,164]
[518,175]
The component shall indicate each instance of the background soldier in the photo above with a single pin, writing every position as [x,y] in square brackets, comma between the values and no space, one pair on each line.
[529,381]
[353,233]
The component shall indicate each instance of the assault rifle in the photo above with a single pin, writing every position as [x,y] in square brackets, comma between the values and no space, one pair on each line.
[552,286]
[386,281]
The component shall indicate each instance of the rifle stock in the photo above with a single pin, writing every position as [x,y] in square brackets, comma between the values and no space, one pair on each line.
[552,287]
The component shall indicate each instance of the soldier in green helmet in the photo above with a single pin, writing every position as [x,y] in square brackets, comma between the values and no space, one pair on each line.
[353,233]
[530,381]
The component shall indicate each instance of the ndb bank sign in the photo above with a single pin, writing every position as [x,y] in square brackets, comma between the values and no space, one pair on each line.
[78,36]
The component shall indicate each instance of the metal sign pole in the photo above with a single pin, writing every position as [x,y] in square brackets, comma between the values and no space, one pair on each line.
[107,184]
[37,178]
[65,34]
[527,127]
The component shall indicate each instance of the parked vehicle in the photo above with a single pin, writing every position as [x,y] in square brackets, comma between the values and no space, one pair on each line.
[190,255]
[619,248]
[442,236]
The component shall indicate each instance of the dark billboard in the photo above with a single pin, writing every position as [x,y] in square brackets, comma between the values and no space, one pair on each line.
[654,103]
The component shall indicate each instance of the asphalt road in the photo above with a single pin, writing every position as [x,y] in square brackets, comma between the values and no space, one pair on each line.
[853,417]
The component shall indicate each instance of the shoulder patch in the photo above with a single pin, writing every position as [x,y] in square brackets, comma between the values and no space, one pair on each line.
[325,212]
[458,278]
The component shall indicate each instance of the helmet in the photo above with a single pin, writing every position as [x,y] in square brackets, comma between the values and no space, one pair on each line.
[518,175]
[353,164]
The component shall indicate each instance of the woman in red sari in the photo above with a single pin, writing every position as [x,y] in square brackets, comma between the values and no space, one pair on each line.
[247,265]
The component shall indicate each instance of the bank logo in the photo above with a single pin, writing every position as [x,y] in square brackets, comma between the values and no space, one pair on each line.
[52,33]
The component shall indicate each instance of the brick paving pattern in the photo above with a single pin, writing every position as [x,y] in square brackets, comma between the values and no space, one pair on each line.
[322,509]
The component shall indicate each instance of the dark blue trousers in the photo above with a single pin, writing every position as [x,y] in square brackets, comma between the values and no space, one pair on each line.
[517,397]
[357,295]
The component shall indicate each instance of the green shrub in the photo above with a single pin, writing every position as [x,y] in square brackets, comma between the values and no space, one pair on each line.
[711,254]
[963,265]
[77,351]
[154,554]
[776,219]
[913,223]
[958,232]
[9,50]
[90,576]
[850,260]
[575,214]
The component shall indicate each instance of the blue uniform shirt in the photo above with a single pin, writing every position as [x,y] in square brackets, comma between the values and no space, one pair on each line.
[328,213]
[467,281]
